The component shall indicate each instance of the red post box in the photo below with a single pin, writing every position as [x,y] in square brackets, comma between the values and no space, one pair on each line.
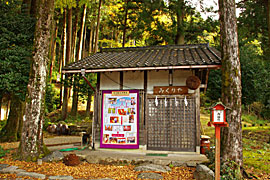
[218,119]
[218,115]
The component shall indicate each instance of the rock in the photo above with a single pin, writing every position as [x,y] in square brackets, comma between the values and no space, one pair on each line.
[2,166]
[81,156]
[162,162]
[203,172]
[191,164]
[55,156]
[149,176]
[152,167]
[60,177]
[31,174]
[92,159]
[11,170]
[178,164]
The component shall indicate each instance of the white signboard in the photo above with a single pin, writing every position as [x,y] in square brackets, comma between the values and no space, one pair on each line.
[218,116]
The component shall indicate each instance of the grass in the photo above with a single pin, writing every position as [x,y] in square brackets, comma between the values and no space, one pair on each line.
[256,145]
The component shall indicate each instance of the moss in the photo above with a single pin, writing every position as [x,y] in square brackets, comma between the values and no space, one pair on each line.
[46,151]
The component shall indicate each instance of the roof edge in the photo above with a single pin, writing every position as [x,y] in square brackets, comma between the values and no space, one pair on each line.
[144,68]
[152,47]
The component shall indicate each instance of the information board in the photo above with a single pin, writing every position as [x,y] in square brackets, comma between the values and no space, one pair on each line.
[120,119]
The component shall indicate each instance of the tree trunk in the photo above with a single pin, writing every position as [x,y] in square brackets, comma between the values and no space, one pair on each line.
[69,36]
[53,50]
[63,55]
[90,50]
[75,29]
[125,24]
[33,9]
[74,108]
[8,108]
[9,132]
[84,43]
[231,142]
[31,145]
[1,98]
[26,6]
[88,105]
[97,28]
[68,56]
[180,36]
[80,44]
[267,4]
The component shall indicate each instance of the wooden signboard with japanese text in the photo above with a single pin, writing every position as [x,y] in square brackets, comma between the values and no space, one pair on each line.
[170,90]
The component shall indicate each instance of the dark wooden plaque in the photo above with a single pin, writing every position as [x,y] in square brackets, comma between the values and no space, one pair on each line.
[170,90]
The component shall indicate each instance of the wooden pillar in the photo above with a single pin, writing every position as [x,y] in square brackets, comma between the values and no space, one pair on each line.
[96,111]
[217,154]
[144,104]
[170,77]
[198,122]
[121,80]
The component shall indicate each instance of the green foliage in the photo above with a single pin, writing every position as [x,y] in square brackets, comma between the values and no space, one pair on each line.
[51,98]
[230,171]
[3,152]
[16,42]
[256,152]
[214,85]
[2,124]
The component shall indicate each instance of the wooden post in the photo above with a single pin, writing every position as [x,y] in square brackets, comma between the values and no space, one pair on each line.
[217,155]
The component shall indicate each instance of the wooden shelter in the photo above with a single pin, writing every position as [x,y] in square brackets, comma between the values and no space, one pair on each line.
[167,111]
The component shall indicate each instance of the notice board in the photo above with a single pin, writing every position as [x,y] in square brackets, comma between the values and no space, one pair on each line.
[120,119]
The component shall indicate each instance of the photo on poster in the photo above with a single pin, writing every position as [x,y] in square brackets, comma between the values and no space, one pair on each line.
[113,140]
[133,101]
[125,119]
[121,140]
[131,111]
[112,100]
[114,119]
[106,138]
[131,134]
[111,110]
[108,127]
[127,128]
[122,112]
[131,140]
[131,118]
[118,128]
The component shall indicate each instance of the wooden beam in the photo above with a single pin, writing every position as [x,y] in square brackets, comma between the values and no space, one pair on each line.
[121,80]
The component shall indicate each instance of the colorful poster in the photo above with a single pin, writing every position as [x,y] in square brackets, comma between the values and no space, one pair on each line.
[120,119]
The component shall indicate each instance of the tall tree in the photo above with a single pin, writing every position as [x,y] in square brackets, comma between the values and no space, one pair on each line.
[53,50]
[31,145]
[15,51]
[68,59]
[97,27]
[125,24]
[231,142]
[81,35]
[180,13]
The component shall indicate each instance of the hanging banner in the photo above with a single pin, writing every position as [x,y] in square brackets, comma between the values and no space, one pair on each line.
[120,119]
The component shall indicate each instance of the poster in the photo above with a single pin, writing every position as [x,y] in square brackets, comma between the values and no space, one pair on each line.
[120,119]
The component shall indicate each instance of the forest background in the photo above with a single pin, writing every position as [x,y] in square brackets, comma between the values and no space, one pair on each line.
[81,27]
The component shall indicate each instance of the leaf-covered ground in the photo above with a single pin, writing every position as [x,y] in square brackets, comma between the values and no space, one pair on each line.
[91,171]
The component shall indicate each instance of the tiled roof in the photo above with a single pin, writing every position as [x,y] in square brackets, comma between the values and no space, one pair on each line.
[155,57]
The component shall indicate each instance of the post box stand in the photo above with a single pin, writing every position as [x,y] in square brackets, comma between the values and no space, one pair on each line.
[218,119]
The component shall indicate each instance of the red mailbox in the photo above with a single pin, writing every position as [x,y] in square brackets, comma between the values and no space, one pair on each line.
[218,115]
